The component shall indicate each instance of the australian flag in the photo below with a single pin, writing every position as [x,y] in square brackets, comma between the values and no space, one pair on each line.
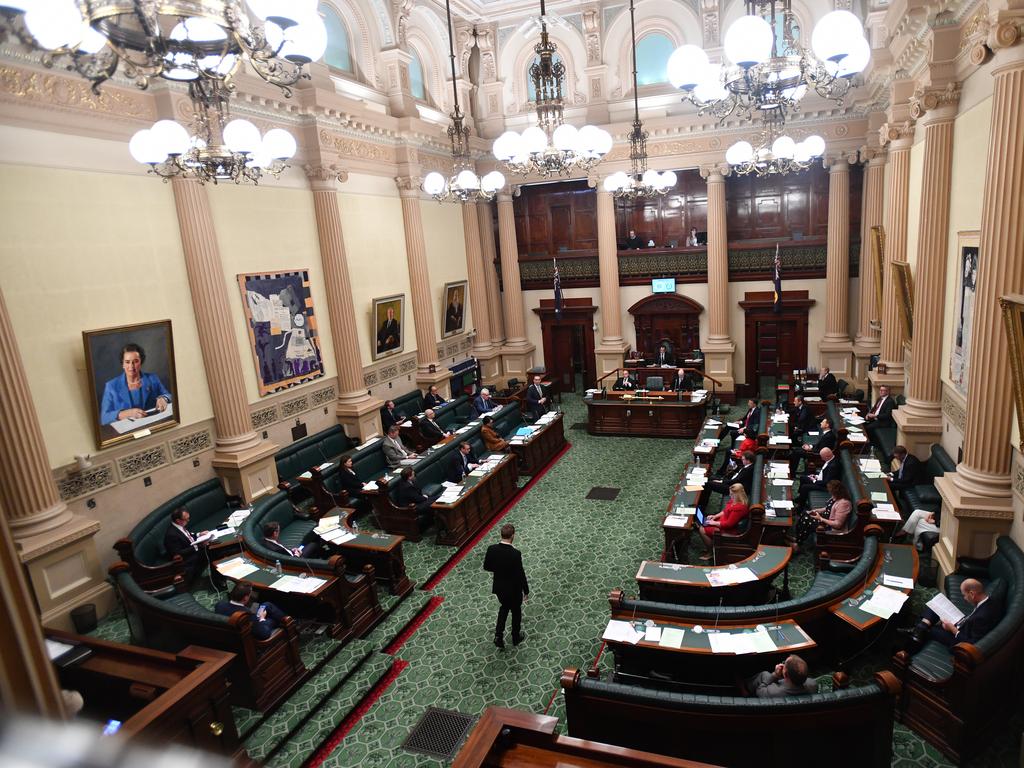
[777,279]
[558,291]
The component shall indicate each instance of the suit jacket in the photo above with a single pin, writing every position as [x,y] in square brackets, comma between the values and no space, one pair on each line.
[827,385]
[350,482]
[506,563]
[458,466]
[394,451]
[408,493]
[533,400]
[431,430]
[680,383]
[765,686]
[433,400]
[744,476]
[910,473]
[884,415]
[831,471]
[825,440]
[261,630]
[980,622]
[387,418]
[388,336]
[480,407]
[621,383]
[802,419]
[276,546]
[668,359]
[752,420]
[492,440]
[177,543]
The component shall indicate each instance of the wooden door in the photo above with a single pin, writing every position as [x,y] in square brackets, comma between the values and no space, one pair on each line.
[776,343]
[767,352]
[560,367]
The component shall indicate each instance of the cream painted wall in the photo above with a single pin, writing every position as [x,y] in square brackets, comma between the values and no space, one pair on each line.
[268,229]
[446,257]
[914,198]
[82,251]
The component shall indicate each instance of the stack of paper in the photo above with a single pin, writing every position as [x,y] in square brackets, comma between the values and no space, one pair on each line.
[945,609]
[733,424]
[338,535]
[870,465]
[368,443]
[879,496]
[236,518]
[703,449]
[236,568]
[719,577]
[326,465]
[897,582]
[779,440]
[450,495]
[884,602]
[782,482]
[713,423]
[677,521]
[782,503]
[307,475]
[621,632]
[327,524]
[671,637]
[302,584]
[370,486]
[857,437]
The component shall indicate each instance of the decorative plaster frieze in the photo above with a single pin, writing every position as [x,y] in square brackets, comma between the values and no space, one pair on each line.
[72,484]
[53,90]
[264,417]
[362,150]
[191,444]
[143,462]
[954,408]
[294,406]
[323,396]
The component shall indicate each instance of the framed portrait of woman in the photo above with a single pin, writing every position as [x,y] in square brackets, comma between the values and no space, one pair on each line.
[387,338]
[133,389]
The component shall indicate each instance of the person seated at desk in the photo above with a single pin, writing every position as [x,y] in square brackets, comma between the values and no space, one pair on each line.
[801,418]
[408,493]
[461,463]
[394,449]
[264,620]
[835,514]
[921,521]
[634,241]
[483,403]
[827,384]
[787,679]
[726,521]
[680,382]
[979,622]
[830,469]
[133,394]
[433,398]
[907,471]
[389,415]
[749,443]
[625,381]
[536,401]
[492,440]
[272,541]
[826,439]
[692,241]
[352,485]
[663,357]
[743,474]
[179,541]
[432,432]
[880,415]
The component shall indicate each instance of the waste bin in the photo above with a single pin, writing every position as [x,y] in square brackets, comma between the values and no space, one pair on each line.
[84,618]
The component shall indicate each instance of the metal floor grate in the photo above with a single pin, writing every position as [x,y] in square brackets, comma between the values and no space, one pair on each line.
[603,494]
[439,733]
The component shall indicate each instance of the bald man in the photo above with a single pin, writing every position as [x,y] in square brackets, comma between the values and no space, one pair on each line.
[984,615]
[830,469]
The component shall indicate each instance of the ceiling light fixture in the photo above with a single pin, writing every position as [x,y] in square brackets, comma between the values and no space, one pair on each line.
[774,155]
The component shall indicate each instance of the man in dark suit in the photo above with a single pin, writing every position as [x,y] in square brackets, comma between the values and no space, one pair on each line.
[625,381]
[826,439]
[389,415]
[830,469]
[407,492]
[744,475]
[453,316]
[390,335]
[483,403]
[801,418]
[432,432]
[827,384]
[663,356]
[272,541]
[509,584]
[178,540]
[634,241]
[880,416]
[461,463]
[535,399]
[433,398]
[680,382]
[910,472]
[979,622]
[751,419]
[265,620]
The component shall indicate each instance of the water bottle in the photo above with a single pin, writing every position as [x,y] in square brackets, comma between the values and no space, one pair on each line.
[355,526]
[278,568]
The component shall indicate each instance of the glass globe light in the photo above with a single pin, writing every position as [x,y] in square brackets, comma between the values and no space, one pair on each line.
[856,60]
[92,42]
[287,11]
[535,140]
[507,145]
[279,144]
[433,183]
[565,138]
[492,182]
[748,41]
[604,143]
[784,147]
[815,145]
[144,150]
[170,137]
[54,23]
[180,67]
[711,88]
[18,6]
[650,177]
[306,41]
[616,181]
[802,154]
[739,153]
[242,136]
[217,65]
[668,179]
[198,30]
[259,159]
[686,66]
[467,180]
[834,34]
[589,138]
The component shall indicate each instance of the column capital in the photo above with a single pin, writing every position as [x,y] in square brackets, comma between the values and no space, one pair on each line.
[506,197]
[408,186]
[930,104]
[715,171]
[839,161]
[324,176]
[897,135]
[873,156]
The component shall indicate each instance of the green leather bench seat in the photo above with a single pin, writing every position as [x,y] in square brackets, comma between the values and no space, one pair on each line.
[925,496]
[311,451]
[455,413]
[508,421]
[410,403]
[277,509]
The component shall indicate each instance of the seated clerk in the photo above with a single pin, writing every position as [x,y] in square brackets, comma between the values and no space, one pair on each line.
[390,415]
[433,398]
[680,382]
[178,540]
[663,356]
[272,541]
[835,514]
[985,614]
[743,474]
[880,414]
[909,471]
[801,418]
[492,440]
[634,240]
[432,432]
[408,493]
[461,463]
[827,384]
[830,469]
[625,381]
[826,439]
[787,679]
[265,620]
[726,521]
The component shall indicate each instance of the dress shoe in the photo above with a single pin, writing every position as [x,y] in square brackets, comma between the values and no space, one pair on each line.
[500,642]
[519,638]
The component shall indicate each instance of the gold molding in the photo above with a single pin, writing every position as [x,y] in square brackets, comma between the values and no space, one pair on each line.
[54,90]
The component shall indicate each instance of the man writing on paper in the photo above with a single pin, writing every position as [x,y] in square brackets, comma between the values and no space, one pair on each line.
[787,679]
[461,463]
[985,614]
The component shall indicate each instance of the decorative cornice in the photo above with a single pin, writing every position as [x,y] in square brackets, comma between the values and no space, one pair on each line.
[891,132]
[74,93]
[408,184]
[325,174]
[930,99]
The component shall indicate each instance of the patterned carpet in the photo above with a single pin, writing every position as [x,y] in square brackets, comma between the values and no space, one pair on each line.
[575,551]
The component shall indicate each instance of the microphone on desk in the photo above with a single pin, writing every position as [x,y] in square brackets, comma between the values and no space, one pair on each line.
[718,611]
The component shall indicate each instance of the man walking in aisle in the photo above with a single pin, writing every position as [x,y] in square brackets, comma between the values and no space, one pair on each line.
[509,586]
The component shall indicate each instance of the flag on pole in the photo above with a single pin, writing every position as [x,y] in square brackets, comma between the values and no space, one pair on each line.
[777,292]
[558,291]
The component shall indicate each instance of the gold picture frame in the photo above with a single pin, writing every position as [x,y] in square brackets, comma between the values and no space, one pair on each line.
[388,331]
[877,266]
[1013,325]
[453,322]
[904,285]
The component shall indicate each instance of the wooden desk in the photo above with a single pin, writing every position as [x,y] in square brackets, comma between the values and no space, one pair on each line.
[485,496]
[692,584]
[381,550]
[776,430]
[677,527]
[540,447]
[711,433]
[874,485]
[896,560]
[617,415]
[776,521]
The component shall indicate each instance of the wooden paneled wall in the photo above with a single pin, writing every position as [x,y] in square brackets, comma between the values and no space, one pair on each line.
[556,217]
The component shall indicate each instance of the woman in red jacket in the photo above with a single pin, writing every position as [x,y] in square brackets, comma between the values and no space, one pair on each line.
[726,521]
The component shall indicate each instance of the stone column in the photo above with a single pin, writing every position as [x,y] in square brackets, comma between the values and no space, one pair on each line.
[357,412]
[920,420]
[719,347]
[609,353]
[483,348]
[244,462]
[429,370]
[900,138]
[484,214]
[835,347]
[868,341]
[517,354]
[54,546]
[977,498]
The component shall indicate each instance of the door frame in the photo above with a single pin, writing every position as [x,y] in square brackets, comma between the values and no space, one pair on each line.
[575,312]
[758,306]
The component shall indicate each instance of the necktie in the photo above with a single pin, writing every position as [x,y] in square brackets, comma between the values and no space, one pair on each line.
[878,407]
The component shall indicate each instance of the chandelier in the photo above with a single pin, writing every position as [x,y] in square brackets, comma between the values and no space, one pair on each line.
[463,185]
[767,75]
[551,147]
[640,182]
[774,155]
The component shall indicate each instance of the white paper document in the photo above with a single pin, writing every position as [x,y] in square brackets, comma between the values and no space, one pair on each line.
[945,609]
[879,496]
[884,602]
[130,425]
[671,637]
[304,585]
[338,536]
[780,482]
[621,632]
[782,503]
[897,582]
[885,514]
[236,568]
[676,521]
[653,635]
[721,642]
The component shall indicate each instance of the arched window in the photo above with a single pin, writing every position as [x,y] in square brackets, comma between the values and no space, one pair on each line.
[419,90]
[531,92]
[652,53]
[337,54]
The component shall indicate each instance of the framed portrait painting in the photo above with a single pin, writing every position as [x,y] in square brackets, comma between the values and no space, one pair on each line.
[968,253]
[455,308]
[133,389]
[1013,325]
[388,326]
[904,284]
[282,329]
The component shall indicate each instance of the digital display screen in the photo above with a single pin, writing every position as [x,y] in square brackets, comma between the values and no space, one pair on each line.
[663,285]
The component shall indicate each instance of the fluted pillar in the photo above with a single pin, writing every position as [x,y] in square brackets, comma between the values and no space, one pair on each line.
[868,341]
[356,411]
[483,348]
[244,461]
[719,347]
[920,420]
[485,216]
[609,353]
[835,347]
[517,354]
[977,499]
[428,367]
